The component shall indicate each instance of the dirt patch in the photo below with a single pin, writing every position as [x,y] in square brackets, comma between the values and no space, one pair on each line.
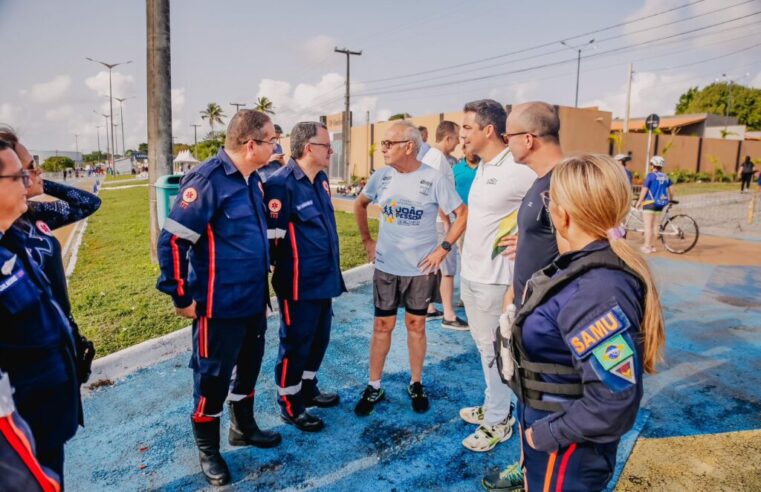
[706,462]
[712,250]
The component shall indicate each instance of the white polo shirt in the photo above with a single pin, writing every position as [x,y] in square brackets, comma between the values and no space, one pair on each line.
[497,191]
[437,160]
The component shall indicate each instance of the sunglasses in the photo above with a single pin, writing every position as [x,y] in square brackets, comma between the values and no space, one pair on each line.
[386,144]
[23,176]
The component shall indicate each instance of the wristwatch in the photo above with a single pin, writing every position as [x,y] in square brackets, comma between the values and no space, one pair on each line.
[446,246]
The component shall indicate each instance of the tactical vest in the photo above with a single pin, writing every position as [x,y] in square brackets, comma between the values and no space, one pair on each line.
[527,381]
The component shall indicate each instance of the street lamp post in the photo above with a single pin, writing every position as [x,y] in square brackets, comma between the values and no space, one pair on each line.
[108,149]
[110,67]
[578,49]
[97,129]
[121,118]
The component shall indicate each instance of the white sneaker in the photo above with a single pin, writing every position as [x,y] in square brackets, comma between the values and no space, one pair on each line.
[473,415]
[486,437]
[645,250]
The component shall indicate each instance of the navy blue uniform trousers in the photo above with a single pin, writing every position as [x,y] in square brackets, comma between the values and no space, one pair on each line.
[227,357]
[304,337]
[584,466]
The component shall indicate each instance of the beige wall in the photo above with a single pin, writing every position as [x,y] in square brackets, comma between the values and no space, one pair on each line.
[751,148]
[637,144]
[680,152]
[360,160]
[584,130]
[718,153]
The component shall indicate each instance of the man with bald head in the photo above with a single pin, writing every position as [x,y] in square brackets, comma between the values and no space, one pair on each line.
[408,253]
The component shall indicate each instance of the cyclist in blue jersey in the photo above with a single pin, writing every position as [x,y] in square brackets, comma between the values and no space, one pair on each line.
[655,195]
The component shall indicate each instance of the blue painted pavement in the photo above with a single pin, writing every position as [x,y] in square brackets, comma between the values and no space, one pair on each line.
[138,431]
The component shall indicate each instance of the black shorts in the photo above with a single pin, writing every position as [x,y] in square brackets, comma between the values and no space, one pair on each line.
[414,294]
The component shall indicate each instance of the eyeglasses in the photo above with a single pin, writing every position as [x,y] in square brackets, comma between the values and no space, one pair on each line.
[546,199]
[33,169]
[23,176]
[386,144]
[260,142]
[326,145]
[507,136]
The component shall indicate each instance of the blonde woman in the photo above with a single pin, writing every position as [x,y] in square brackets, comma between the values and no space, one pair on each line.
[590,327]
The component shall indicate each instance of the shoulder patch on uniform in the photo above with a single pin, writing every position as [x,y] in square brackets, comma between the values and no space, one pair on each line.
[592,334]
[625,370]
[275,205]
[326,186]
[44,228]
[612,351]
[189,195]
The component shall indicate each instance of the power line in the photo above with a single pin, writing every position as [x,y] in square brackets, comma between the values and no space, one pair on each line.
[536,47]
[549,64]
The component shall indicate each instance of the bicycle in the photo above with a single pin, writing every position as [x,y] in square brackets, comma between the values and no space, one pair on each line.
[678,233]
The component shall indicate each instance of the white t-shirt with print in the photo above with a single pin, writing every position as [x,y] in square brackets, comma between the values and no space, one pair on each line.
[409,205]
[497,191]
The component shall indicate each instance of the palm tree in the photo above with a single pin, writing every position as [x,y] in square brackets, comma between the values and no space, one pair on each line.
[264,105]
[214,113]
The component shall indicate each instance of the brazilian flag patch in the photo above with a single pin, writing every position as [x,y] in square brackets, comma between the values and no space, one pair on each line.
[612,352]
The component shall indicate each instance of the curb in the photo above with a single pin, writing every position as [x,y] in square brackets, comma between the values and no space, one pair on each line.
[108,369]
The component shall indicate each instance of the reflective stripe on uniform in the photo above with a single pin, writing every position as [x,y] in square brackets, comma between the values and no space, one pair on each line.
[179,230]
[289,390]
[308,375]
[275,233]
[236,397]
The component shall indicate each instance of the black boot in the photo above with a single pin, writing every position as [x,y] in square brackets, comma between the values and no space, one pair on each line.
[213,465]
[243,428]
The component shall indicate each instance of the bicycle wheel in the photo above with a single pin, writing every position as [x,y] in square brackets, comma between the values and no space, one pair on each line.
[679,233]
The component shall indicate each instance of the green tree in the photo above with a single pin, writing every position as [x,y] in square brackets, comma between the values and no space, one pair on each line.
[57,164]
[179,147]
[214,114]
[400,116]
[264,105]
[143,148]
[94,157]
[724,98]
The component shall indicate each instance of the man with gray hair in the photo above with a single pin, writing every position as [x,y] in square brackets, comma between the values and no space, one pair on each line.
[408,253]
[307,276]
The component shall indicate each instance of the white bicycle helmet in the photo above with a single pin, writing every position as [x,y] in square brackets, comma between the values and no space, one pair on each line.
[657,161]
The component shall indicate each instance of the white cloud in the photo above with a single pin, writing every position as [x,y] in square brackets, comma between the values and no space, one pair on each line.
[383,114]
[122,84]
[9,114]
[651,93]
[310,101]
[318,48]
[178,100]
[58,114]
[53,90]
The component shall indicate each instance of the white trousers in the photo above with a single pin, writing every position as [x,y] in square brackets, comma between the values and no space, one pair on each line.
[483,306]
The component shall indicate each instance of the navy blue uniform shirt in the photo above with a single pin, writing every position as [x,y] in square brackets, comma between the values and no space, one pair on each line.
[304,239]
[218,226]
[592,324]
[36,345]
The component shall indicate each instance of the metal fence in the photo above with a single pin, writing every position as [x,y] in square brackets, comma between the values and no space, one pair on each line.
[725,213]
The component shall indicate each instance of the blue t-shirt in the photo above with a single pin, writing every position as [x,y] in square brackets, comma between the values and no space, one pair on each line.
[409,203]
[657,184]
[463,178]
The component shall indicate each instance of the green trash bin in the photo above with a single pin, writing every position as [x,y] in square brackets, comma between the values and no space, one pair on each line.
[167,188]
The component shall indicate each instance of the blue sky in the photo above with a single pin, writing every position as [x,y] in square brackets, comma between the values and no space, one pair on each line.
[235,51]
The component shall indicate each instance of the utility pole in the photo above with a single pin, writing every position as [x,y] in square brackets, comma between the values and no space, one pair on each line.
[116,142]
[121,116]
[578,50]
[195,139]
[159,104]
[367,152]
[237,106]
[76,144]
[110,67]
[109,151]
[628,97]
[97,128]
[347,114]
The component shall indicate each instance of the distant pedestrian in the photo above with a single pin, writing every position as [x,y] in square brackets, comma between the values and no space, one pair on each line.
[424,148]
[748,169]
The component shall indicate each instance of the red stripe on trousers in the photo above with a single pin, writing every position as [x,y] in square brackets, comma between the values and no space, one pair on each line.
[294,247]
[563,466]
[286,313]
[282,385]
[212,271]
[176,262]
[20,444]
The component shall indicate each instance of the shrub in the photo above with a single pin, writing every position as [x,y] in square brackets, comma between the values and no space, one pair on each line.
[702,177]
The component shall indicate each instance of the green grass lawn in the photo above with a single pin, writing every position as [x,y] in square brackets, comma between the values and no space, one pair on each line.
[112,290]
[683,189]
[119,177]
